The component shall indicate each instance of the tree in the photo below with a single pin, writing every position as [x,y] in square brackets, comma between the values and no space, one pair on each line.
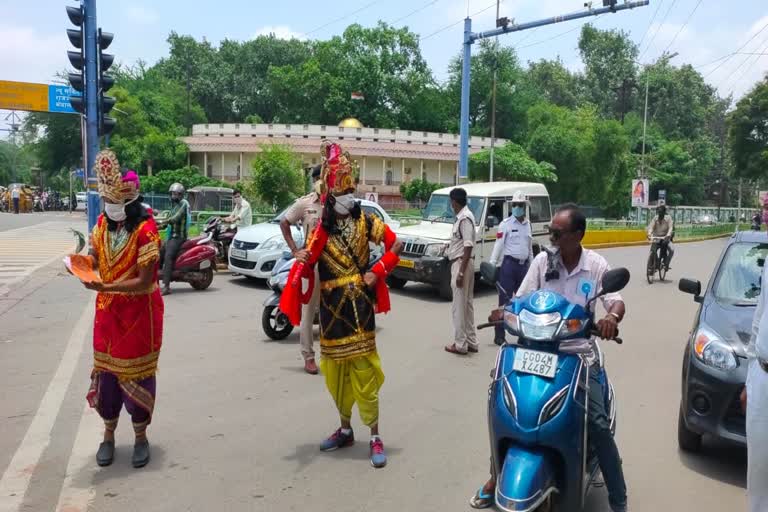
[748,133]
[556,83]
[188,176]
[609,61]
[418,190]
[514,94]
[277,177]
[510,163]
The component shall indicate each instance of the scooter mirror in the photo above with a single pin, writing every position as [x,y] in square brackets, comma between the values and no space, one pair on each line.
[615,280]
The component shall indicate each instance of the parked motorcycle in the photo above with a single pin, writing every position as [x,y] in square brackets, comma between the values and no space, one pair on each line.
[195,262]
[538,400]
[274,322]
[222,238]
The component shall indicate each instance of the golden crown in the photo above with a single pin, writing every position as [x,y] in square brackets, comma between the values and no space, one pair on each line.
[339,172]
[111,184]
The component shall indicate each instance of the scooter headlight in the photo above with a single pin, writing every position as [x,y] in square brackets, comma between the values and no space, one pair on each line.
[539,327]
[571,326]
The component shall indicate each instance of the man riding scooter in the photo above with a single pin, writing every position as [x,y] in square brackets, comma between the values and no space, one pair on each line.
[177,234]
[569,270]
[241,215]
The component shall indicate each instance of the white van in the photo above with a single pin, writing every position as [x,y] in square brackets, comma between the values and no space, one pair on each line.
[423,259]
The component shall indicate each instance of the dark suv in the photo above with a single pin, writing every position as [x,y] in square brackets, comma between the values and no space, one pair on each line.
[715,360]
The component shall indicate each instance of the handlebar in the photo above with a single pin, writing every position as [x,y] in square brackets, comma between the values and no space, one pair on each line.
[593,332]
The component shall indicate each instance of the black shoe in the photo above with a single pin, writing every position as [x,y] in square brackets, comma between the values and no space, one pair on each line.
[106,453]
[140,454]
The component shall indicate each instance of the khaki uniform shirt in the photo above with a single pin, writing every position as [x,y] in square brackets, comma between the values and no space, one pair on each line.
[462,234]
[306,210]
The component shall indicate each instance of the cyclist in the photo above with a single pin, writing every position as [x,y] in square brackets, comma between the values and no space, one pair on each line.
[661,227]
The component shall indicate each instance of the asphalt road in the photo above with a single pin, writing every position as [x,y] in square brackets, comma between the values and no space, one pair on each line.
[238,423]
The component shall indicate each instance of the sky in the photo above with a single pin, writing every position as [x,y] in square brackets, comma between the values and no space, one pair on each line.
[703,32]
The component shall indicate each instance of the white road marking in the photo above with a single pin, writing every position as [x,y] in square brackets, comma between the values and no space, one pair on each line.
[73,498]
[15,481]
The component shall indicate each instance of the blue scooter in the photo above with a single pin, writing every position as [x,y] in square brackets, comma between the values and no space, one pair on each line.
[537,403]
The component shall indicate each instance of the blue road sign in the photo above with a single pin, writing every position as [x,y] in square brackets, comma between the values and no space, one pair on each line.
[79,173]
[58,99]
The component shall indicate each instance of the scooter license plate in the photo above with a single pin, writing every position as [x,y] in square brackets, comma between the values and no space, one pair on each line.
[239,253]
[543,364]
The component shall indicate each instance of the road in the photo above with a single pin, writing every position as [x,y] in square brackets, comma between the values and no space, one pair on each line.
[237,422]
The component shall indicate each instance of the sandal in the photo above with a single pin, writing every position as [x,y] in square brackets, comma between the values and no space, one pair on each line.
[481,500]
[453,350]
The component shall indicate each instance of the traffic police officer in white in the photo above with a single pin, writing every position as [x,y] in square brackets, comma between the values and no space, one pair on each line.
[513,252]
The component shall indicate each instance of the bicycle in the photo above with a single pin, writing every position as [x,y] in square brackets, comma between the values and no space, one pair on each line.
[656,258]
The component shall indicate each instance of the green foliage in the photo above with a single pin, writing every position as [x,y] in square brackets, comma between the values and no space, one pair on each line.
[748,133]
[188,176]
[418,190]
[510,163]
[277,177]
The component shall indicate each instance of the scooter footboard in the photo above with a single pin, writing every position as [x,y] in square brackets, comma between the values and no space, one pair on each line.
[527,479]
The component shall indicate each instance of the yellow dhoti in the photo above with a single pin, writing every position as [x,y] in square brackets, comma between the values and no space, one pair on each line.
[353,381]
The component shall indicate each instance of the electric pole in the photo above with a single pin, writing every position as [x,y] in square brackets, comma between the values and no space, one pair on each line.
[493,92]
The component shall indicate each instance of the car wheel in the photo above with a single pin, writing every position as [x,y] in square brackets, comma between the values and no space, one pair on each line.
[687,440]
[396,283]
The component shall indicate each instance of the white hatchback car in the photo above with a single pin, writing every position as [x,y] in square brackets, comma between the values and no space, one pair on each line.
[256,249]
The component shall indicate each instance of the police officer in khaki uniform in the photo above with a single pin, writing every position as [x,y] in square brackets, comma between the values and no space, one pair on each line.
[306,210]
[462,275]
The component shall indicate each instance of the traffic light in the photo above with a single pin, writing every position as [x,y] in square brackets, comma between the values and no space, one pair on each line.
[77,59]
[105,83]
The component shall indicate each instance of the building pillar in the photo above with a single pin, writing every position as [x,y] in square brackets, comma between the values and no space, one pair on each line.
[421,170]
[402,170]
[362,177]
[240,172]
[439,172]
[205,164]
[222,166]
[384,171]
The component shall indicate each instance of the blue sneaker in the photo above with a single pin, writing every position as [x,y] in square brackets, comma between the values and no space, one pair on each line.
[378,457]
[337,440]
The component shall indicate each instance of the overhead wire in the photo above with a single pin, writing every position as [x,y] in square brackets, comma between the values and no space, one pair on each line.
[658,29]
[682,27]
[415,11]
[457,23]
[342,18]
[729,57]
[732,83]
[650,24]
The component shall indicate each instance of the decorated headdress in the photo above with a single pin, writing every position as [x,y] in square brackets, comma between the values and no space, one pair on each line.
[113,185]
[338,174]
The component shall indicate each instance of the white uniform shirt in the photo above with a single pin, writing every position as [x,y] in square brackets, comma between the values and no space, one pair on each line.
[577,287]
[514,239]
[759,339]
[243,214]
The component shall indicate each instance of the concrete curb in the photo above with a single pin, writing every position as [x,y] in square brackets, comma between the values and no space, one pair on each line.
[645,242]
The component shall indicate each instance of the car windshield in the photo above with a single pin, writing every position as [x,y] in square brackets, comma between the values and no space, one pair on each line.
[738,279]
[439,209]
[279,217]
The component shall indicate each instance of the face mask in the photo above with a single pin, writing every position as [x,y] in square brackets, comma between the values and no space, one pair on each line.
[344,204]
[518,211]
[115,212]
[318,188]
[239,201]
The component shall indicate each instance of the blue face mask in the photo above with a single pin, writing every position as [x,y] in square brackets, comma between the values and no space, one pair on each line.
[518,211]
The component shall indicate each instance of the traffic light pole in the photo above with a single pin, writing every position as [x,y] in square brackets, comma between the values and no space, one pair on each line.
[470,38]
[91,113]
